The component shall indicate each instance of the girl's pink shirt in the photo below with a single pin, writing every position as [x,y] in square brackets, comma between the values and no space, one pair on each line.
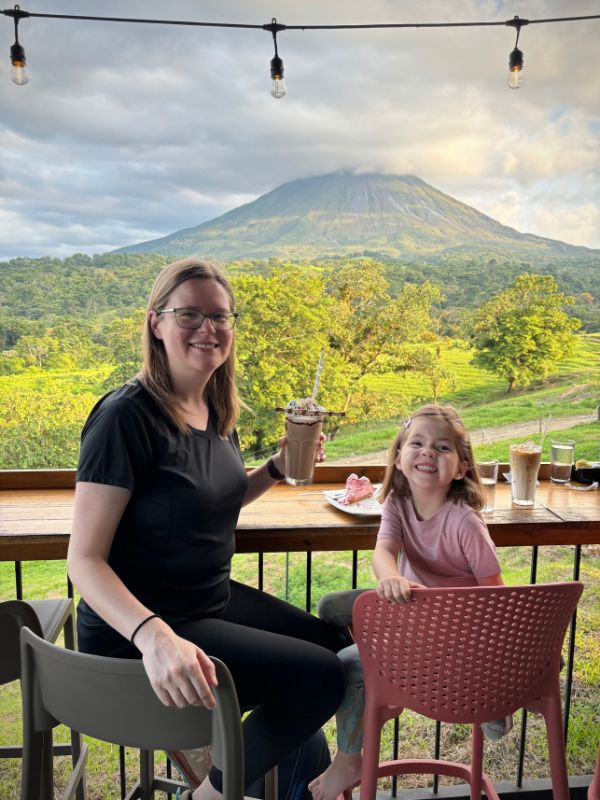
[452,548]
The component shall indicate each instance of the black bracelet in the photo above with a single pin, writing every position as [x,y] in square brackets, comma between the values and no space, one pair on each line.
[143,622]
[273,471]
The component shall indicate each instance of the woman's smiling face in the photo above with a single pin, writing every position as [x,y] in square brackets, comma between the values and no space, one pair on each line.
[202,350]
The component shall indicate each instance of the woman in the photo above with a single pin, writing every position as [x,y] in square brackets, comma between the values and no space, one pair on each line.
[160,484]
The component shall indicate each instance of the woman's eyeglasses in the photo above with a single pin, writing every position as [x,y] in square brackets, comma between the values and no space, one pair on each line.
[192,318]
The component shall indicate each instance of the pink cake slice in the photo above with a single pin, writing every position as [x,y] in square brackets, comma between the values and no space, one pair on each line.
[356,489]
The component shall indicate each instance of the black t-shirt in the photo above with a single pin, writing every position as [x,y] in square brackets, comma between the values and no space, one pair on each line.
[174,543]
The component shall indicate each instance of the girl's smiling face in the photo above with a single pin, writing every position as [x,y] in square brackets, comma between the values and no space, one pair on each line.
[428,458]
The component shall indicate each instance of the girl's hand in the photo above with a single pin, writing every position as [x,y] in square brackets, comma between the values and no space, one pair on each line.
[180,673]
[396,589]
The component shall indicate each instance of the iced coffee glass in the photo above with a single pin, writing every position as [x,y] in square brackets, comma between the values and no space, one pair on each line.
[561,460]
[488,472]
[524,465]
[303,430]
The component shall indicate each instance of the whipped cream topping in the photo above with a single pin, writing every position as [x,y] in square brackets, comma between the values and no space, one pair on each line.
[306,406]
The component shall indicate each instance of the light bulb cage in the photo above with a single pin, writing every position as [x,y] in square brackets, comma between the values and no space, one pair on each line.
[276,69]
[515,60]
[17,55]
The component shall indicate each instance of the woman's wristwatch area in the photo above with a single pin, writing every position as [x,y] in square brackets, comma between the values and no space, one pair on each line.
[273,471]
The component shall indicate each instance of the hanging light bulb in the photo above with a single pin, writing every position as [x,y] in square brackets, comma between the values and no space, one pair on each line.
[17,52]
[515,60]
[515,69]
[17,58]
[278,89]
[277,79]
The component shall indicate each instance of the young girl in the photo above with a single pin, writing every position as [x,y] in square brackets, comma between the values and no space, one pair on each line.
[432,494]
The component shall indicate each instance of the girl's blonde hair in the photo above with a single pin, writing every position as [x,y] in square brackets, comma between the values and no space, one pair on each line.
[468,489]
[221,390]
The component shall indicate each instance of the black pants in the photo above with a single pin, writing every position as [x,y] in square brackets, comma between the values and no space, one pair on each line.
[283,665]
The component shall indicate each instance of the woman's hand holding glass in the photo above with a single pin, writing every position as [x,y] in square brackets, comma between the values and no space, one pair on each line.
[279,458]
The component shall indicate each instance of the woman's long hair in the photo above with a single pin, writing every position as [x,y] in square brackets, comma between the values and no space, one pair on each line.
[221,390]
[467,489]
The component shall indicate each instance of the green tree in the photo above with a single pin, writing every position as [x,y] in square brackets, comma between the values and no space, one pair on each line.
[11,363]
[288,316]
[522,332]
[12,328]
[283,325]
[76,346]
[65,344]
[427,359]
[35,350]
[41,430]
[123,341]
[373,333]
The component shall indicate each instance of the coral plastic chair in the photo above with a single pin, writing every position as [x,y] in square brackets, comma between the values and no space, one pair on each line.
[464,655]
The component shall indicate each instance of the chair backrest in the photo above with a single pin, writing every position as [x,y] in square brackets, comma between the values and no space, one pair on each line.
[112,699]
[14,615]
[469,654]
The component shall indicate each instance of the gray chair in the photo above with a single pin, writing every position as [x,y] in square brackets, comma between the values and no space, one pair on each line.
[46,618]
[111,699]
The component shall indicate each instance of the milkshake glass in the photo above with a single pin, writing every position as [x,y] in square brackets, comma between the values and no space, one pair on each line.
[303,425]
[524,465]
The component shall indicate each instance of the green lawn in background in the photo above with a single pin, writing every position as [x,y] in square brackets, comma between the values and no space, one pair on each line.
[484,403]
[474,385]
[586,438]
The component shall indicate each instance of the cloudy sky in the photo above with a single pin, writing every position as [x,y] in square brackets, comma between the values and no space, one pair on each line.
[128,132]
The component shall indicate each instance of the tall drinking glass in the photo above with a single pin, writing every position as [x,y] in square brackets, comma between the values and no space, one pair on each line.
[524,465]
[488,472]
[561,460]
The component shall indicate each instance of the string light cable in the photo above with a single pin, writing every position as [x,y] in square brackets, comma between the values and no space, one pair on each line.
[278,87]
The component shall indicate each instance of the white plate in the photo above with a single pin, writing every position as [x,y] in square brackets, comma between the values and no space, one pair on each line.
[364,508]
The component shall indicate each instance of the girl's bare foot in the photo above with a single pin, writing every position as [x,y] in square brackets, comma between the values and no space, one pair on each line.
[343,772]
[206,791]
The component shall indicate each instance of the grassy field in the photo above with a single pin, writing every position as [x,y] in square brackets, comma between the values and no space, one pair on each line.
[586,438]
[472,384]
[484,402]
